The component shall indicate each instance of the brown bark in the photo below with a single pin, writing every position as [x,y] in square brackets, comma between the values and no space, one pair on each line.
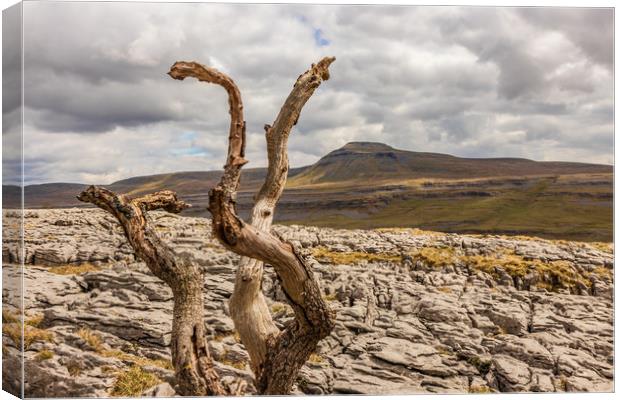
[276,357]
[194,371]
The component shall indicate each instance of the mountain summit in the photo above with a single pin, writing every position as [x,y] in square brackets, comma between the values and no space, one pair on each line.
[364,147]
[371,161]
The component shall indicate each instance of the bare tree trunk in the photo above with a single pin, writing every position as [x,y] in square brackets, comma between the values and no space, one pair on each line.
[276,357]
[193,365]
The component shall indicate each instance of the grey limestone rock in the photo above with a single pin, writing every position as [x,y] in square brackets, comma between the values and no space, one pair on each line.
[403,326]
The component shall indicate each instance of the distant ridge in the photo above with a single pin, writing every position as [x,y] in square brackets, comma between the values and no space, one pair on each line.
[356,163]
[360,161]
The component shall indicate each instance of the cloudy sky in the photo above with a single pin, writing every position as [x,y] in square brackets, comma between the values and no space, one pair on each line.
[473,82]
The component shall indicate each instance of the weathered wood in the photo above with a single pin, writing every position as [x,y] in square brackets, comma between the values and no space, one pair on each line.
[193,365]
[247,304]
[276,357]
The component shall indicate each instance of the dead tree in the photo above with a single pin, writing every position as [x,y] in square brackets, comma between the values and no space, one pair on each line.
[193,365]
[276,356]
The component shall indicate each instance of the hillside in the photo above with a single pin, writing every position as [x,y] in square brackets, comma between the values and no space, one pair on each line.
[364,161]
[372,185]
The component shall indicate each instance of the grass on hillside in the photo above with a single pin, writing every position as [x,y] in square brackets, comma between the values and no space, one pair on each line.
[537,209]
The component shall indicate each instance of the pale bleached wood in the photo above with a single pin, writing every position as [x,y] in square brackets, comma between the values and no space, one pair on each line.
[248,306]
[276,356]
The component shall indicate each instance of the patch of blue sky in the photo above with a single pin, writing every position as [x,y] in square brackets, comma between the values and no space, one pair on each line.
[190,151]
[189,136]
[319,39]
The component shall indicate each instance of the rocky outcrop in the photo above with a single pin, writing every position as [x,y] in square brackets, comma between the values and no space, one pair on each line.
[408,321]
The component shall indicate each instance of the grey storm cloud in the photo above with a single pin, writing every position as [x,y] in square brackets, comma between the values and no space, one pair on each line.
[469,81]
[584,27]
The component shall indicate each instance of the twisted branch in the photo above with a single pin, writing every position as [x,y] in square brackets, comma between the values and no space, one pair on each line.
[194,371]
[276,356]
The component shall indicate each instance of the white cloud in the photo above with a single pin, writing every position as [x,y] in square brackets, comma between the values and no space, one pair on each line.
[472,82]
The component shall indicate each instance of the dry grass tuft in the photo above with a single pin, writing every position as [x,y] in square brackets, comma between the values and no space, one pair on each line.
[330,297]
[444,350]
[138,361]
[96,342]
[277,307]
[352,257]
[44,355]
[108,369]
[74,269]
[603,272]
[437,257]
[9,316]
[74,369]
[219,338]
[132,382]
[482,365]
[91,338]
[35,320]
[316,358]
[411,231]
[237,364]
[551,275]
[605,247]
[480,389]
[31,334]
[12,327]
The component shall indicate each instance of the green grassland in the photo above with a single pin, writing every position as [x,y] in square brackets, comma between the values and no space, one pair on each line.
[554,208]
